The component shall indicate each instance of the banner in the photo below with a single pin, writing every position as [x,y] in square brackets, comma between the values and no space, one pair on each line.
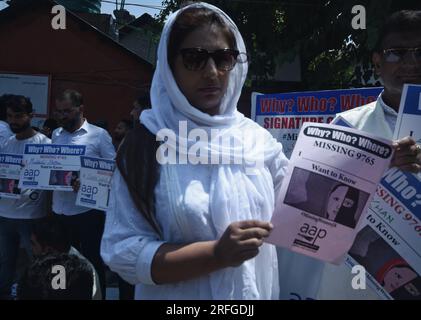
[50,166]
[332,175]
[283,114]
[10,167]
[95,180]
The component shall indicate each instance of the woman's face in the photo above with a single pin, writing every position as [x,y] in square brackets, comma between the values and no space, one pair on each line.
[397,277]
[338,199]
[203,88]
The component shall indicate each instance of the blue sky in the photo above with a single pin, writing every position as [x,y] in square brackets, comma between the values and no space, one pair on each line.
[135,10]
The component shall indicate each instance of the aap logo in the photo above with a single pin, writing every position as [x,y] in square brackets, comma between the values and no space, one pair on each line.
[31,174]
[308,236]
[89,191]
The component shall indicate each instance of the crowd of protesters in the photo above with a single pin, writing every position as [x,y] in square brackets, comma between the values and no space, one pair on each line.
[179,232]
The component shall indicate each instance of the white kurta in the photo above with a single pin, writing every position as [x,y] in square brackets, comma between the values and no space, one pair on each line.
[129,243]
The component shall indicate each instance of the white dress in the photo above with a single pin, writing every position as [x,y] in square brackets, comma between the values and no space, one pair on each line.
[129,243]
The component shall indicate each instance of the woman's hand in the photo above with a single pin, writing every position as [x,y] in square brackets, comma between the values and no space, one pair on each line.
[407,155]
[180,262]
[241,241]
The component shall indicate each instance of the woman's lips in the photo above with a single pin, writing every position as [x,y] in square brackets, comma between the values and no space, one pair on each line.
[210,90]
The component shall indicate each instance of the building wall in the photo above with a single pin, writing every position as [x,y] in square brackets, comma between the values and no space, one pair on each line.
[108,76]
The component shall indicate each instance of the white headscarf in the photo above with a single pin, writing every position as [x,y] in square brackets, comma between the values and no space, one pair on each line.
[234,196]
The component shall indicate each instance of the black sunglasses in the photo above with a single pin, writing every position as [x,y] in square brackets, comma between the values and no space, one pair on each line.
[398,54]
[195,59]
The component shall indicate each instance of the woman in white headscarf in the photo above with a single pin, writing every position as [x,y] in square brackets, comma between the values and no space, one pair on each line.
[195,230]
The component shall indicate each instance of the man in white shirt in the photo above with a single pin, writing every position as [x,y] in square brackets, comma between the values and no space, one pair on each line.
[17,215]
[397,60]
[5,131]
[85,225]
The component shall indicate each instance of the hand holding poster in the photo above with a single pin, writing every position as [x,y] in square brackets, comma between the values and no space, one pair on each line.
[50,166]
[10,168]
[332,175]
[95,180]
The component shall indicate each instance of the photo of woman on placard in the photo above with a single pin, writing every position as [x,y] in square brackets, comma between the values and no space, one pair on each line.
[397,277]
[388,268]
[342,205]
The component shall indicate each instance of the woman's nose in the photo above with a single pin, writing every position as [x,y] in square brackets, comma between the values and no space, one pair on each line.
[210,70]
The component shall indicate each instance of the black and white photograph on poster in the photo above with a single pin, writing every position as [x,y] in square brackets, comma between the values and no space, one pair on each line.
[62,177]
[325,197]
[387,267]
[9,186]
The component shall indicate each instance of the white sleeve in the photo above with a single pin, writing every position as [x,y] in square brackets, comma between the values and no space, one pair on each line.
[106,146]
[129,243]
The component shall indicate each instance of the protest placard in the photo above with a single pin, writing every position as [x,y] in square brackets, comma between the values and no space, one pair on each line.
[332,175]
[10,167]
[95,180]
[50,167]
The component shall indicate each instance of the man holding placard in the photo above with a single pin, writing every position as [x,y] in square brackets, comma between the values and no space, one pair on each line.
[84,224]
[397,60]
[17,215]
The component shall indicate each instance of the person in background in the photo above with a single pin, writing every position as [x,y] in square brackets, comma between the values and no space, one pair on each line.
[141,103]
[120,131]
[17,215]
[397,60]
[85,225]
[49,126]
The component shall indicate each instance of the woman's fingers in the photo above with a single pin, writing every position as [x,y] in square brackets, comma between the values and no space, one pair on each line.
[247,224]
[250,243]
[258,233]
